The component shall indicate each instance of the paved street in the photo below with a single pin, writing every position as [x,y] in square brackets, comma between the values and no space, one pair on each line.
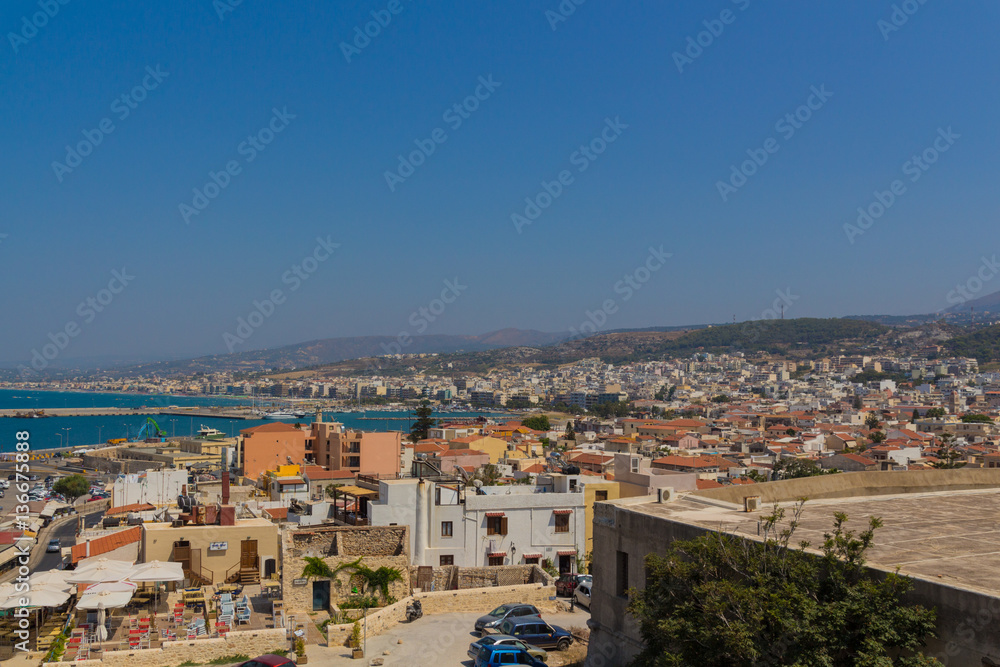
[440,640]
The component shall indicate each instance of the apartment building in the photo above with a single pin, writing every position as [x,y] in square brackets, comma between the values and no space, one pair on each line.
[369,453]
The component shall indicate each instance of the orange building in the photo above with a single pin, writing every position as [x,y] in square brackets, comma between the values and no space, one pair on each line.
[268,446]
[356,451]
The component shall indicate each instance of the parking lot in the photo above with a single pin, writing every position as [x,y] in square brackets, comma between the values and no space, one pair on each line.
[439,640]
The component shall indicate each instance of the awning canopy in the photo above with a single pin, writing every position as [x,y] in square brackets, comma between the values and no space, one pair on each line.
[356,491]
[565,553]
[495,514]
[562,511]
[532,555]
[494,554]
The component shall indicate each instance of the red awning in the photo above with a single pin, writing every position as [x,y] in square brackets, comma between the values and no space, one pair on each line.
[538,555]
[493,554]
[562,511]
[565,553]
[494,514]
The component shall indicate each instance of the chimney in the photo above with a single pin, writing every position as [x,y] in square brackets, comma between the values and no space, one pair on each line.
[225,487]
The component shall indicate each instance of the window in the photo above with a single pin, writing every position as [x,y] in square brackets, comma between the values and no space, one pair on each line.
[446,529]
[496,525]
[601,495]
[496,560]
[621,572]
[562,523]
[447,560]
[531,560]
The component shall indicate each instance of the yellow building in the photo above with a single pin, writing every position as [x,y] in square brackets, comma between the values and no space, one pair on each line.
[495,447]
[215,553]
[596,492]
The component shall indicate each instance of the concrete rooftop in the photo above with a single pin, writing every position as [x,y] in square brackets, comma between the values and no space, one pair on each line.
[950,537]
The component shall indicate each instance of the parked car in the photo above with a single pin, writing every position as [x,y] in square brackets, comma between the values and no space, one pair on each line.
[506,640]
[268,660]
[54,546]
[537,632]
[581,595]
[567,583]
[505,611]
[489,656]
[12,476]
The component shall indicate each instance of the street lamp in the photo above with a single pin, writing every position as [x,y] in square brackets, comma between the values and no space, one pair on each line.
[68,429]
[60,439]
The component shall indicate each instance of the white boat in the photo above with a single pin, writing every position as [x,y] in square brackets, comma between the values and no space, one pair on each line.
[279,415]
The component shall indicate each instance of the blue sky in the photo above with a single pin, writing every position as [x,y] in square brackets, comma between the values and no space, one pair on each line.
[323,175]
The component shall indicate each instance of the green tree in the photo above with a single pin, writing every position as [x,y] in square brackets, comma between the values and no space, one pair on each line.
[418,431]
[976,419]
[790,432]
[872,421]
[857,403]
[876,437]
[916,416]
[570,434]
[72,486]
[948,457]
[537,423]
[616,409]
[935,413]
[721,398]
[724,601]
[792,468]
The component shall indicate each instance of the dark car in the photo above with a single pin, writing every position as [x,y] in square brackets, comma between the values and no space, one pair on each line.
[505,611]
[268,660]
[12,476]
[489,656]
[537,632]
[508,641]
[567,583]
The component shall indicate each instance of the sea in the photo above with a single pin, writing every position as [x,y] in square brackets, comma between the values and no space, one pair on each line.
[76,432]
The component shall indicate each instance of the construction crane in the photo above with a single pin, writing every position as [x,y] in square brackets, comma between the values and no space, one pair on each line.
[150,429]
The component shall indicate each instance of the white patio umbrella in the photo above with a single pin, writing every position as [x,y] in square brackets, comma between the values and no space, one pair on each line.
[157,571]
[94,561]
[110,595]
[101,572]
[57,577]
[42,595]
[101,632]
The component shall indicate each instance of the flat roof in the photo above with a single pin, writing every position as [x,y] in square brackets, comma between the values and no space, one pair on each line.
[950,537]
[245,523]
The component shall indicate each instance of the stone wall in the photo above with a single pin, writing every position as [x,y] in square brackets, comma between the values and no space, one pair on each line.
[105,460]
[378,546]
[452,577]
[475,601]
[250,643]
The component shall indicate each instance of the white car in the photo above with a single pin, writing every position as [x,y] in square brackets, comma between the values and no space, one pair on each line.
[581,595]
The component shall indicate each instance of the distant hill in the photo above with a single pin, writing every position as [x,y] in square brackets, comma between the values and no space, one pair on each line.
[331,350]
[983,344]
[800,337]
[989,303]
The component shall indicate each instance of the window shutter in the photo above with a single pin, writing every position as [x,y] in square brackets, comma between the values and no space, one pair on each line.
[503,525]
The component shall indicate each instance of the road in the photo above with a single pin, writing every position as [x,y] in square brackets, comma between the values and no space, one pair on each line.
[438,639]
[66,534]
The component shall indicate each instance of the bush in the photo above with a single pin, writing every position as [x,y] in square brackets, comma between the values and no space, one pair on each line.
[355,639]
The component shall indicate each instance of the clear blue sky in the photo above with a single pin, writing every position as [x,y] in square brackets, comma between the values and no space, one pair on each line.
[324,174]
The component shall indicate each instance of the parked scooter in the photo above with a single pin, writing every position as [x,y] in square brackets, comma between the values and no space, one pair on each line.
[414,611]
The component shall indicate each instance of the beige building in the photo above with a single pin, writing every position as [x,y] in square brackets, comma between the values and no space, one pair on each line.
[214,554]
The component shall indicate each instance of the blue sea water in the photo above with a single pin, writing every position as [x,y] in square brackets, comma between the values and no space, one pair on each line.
[89,431]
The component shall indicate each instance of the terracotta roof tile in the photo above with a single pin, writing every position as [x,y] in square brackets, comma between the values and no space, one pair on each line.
[134,507]
[103,545]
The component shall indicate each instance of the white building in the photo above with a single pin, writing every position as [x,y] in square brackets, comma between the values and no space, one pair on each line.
[504,525]
[158,487]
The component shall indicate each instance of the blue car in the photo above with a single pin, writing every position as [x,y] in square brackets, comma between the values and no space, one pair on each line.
[499,654]
[537,632]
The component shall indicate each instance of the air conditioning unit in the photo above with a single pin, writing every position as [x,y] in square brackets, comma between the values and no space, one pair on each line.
[751,503]
[665,494]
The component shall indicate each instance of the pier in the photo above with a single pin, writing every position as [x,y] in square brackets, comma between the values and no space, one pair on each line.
[216,413]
